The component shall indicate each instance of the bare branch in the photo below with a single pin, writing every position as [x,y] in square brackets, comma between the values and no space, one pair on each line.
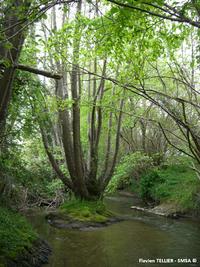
[39,72]
[176,16]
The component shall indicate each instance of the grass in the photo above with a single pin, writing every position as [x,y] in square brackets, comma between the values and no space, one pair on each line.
[176,184]
[90,211]
[16,234]
[180,185]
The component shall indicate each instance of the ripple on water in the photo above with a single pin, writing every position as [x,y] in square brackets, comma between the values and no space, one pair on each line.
[122,244]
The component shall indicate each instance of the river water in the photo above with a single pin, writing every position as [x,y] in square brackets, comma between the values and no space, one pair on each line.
[140,237]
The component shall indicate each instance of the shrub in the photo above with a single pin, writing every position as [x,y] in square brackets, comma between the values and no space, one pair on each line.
[180,185]
[147,184]
[129,171]
[53,186]
[176,183]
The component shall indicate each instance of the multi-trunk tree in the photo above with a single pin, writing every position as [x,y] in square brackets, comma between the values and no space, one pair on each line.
[87,175]
[101,59]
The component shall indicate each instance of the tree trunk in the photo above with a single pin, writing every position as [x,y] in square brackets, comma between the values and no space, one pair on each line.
[10,47]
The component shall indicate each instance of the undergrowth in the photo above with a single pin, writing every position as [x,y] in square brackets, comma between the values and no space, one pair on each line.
[16,234]
[176,183]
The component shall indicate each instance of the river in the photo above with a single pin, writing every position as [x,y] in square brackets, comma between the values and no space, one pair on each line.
[141,237]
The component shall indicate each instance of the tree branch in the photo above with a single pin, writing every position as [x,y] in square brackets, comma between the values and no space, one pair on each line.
[176,17]
[48,74]
[53,161]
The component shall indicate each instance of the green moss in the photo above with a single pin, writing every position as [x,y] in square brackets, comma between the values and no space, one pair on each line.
[94,211]
[16,234]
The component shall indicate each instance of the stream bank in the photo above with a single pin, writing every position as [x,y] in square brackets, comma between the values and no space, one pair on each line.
[121,244]
[35,256]
[165,209]
[20,245]
[57,220]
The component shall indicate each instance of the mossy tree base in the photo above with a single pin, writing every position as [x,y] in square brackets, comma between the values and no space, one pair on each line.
[82,215]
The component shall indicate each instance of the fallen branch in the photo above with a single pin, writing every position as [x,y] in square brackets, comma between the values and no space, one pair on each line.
[156,212]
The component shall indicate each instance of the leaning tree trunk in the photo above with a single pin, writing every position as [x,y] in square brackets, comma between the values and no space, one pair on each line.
[13,23]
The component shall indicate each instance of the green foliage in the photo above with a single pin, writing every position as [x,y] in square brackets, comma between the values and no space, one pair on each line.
[129,170]
[11,165]
[13,173]
[180,186]
[26,177]
[134,44]
[147,184]
[53,186]
[16,233]
[50,190]
[176,183]
[94,211]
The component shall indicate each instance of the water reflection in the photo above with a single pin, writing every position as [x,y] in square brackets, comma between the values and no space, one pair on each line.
[122,244]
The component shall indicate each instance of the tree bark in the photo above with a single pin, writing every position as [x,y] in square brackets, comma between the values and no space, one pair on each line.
[44,73]
[109,172]
[81,189]
[10,49]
